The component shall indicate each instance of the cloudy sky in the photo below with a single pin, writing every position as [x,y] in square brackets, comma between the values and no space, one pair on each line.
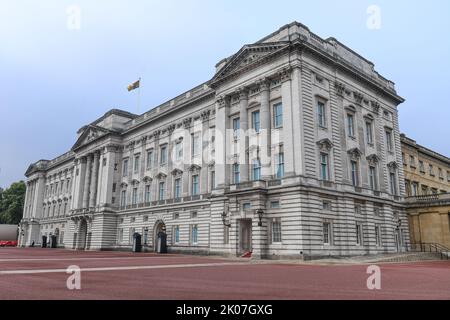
[57,75]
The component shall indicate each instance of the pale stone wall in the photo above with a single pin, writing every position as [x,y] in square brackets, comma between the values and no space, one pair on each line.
[292,67]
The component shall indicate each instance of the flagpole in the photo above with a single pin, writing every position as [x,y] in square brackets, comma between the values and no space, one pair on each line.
[139,98]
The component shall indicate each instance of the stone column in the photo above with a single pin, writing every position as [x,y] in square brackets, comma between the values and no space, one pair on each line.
[288,133]
[265,135]
[222,149]
[87,182]
[94,180]
[243,137]
[27,197]
[38,196]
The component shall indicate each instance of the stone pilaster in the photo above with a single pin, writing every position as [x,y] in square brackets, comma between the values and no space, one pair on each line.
[244,139]
[265,133]
[87,180]
[288,124]
[222,149]
[94,181]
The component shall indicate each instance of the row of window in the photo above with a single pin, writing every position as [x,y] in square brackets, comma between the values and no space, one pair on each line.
[327,230]
[163,155]
[431,168]
[414,189]
[351,127]
[55,210]
[58,188]
[256,169]
[177,190]
[277,120]
[355,174]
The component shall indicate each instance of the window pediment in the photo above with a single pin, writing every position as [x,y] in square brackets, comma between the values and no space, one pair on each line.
[325,144]
[161,176]
[373,159]
[355,153]
[195,168]
[176,172]
[350,108]
[392,166]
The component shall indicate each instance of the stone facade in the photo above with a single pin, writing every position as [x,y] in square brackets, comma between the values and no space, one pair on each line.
[427,185]
[292,149]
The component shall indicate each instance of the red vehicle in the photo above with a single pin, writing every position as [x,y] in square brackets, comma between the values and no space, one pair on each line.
[8,243]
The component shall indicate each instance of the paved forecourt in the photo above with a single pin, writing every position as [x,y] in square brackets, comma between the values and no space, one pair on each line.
[36,273]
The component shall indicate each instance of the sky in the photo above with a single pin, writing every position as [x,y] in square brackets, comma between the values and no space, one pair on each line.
[63,63]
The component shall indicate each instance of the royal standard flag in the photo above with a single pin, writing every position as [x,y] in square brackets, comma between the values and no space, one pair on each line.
[134,85]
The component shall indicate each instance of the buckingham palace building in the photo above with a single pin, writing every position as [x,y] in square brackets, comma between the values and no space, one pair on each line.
[291,150]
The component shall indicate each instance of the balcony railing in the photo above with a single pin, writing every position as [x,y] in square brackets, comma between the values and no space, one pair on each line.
[164,202]
[429,198]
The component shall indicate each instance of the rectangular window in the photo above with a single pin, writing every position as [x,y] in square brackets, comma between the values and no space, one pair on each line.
[161,194]
[354,172]
[275,204]
[148,197]
[125,168]
[412,161]
[123,198]
[276,230]
[369,132]
[431,170]
[120,235]
[195,185]
[280,165]
[256,169]
[136,163]
[322,118]
[236,127]
[324,169]
[134,197]
[421,166]
[236,173]
[195,144]
[145,236]
[377,236]
[194,234]
[359,235]
[278,115]
[256,124]
[441,174]
[177,192]
[226,234]
[389,140]
[176,234]
[415,189]
[163,155]
[130,235]
[350,125]
[373,177]
[149,159]
[326,233]
[213,180]
[246,206]
[179,151]
[393,183]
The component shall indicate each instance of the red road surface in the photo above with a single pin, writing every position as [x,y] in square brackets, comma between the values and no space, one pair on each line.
[125,275]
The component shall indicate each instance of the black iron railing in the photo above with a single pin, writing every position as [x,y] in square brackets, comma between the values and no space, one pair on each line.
[431,247]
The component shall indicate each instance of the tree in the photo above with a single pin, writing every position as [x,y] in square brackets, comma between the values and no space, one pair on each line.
[11,203]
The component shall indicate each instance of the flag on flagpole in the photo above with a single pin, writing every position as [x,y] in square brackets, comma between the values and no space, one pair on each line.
[134,85]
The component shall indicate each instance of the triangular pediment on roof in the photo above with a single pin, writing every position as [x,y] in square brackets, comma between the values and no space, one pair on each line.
[91,133]
[249,56]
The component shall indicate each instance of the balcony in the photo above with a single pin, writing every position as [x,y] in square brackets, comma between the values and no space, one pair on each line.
[429,199]
[258,184]
[164,202]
